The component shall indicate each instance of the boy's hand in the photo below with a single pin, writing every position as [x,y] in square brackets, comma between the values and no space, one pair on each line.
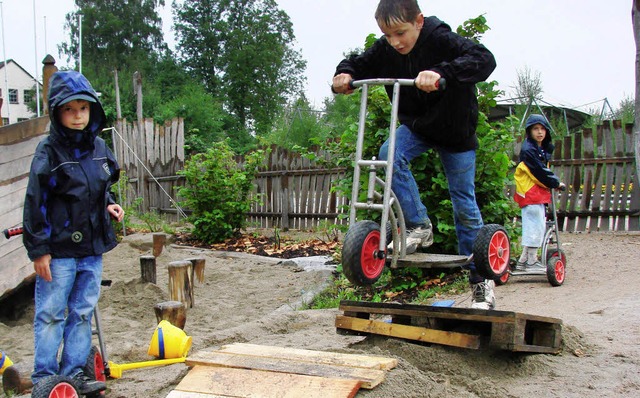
[116,212]
[340,84]
[41,266]
[562,187]
[427,81]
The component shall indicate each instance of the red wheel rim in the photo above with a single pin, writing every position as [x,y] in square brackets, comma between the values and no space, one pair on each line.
[504,278]
[499,252]
[63,390]
[558,268]
[371,265]
[98,366]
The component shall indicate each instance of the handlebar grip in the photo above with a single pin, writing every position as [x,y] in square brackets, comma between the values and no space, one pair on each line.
[441,84]
[9,232]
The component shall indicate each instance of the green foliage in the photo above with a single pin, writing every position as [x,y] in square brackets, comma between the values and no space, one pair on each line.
[217,191]
[298,126]
[241,50]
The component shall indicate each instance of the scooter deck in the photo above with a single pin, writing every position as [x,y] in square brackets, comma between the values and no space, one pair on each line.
[522,273]
[432,260]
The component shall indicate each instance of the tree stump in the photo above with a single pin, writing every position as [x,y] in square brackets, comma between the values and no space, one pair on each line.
[198,268]
[148,268]
[16,379]
[180,282]
[159,240]
[172,311]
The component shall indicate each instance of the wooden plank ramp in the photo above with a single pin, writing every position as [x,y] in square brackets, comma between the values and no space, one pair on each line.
[458,327]
[233,371]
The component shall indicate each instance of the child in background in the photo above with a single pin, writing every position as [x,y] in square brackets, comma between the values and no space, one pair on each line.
[67,227]
[533,182]
[425,49]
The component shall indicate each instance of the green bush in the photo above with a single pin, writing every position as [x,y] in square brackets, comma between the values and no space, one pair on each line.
[217,191]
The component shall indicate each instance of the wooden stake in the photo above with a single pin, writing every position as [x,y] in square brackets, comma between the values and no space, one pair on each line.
[16,379]
[148,268]
[198,268]
[159,240]
[172,311]
[180,283]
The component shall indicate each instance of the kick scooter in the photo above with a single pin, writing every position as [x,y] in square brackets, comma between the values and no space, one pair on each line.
[365,253]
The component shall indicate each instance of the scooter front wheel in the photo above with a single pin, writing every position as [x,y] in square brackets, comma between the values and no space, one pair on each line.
[491,251]
[556,267]
[55,387]
[362,262]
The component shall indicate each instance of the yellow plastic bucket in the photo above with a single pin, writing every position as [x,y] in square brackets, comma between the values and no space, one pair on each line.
[169,341]
[5,362]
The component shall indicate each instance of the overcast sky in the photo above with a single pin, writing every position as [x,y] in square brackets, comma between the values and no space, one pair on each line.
[583,50]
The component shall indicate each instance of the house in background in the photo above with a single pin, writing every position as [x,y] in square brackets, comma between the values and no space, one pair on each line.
[21,91]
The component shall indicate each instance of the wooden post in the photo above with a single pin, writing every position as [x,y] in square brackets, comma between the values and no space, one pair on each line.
[48,69]
[148,268]
[16,379]
[197,268]
[180,283]
[172,311]
[159,240]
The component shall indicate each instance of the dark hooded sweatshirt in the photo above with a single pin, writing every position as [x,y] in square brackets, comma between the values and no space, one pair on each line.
[447,118]
[65,209]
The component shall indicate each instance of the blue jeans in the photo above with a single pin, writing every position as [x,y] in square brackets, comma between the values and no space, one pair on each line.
[75,287]
[460,169]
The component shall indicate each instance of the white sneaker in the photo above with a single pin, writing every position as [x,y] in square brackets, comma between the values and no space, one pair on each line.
[482,296]
[420,236]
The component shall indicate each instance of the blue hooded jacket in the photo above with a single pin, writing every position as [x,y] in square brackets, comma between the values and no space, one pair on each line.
[65,210]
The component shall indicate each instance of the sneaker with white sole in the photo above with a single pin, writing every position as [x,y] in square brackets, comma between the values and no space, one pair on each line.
[521,266]
[418,236]
[482,296]
[535,267]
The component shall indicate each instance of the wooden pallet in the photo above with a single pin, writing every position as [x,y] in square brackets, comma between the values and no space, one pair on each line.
[249,370]
[458,327]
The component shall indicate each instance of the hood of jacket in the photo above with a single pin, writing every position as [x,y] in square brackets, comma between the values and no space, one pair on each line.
[64,84]
[539,119]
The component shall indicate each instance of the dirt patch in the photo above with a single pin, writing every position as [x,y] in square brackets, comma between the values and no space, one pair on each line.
[255,299]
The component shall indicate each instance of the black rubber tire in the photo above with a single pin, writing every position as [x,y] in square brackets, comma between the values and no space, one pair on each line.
[556,267]
[360,261]
[491,251]
[55,387]
[94,369]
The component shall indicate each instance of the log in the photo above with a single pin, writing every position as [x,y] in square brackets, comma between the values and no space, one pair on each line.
[148,268]
[180,282]
[16,379]
[198,268]
[172,311]
[159,240]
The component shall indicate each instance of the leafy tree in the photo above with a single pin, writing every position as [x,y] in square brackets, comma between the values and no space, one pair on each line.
[241,50]
[298,126]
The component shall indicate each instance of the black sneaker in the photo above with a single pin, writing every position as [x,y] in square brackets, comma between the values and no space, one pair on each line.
[86,385]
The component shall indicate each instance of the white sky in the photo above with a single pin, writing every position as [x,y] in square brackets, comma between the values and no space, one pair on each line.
[583,50]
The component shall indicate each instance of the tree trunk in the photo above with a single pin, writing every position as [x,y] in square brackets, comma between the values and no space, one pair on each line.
[180,283]
[172,311]
[16,379]
[148,268]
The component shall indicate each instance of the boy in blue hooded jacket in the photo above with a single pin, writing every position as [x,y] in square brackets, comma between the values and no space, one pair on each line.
[67,227]
[534,179]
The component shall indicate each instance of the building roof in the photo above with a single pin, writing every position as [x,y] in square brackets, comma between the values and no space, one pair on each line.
[574,118]
[21,68]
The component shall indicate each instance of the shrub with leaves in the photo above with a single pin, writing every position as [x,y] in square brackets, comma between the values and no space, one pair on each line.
[217,191]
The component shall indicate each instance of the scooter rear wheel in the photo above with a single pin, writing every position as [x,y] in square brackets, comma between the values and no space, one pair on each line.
[556,267]
[55,387]
[491,251]
[361,262]
[94,369]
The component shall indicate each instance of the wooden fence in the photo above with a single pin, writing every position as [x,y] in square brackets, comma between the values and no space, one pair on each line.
[151,156]
[599,170]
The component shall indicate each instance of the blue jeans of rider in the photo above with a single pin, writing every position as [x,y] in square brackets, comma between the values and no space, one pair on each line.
[460,169]
[75,288]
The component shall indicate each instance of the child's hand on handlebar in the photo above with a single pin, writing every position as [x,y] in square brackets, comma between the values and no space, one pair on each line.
[427,81]
[562,186]
[341,85]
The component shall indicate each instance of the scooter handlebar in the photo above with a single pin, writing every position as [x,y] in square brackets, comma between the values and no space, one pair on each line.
[9,232]
[441,84]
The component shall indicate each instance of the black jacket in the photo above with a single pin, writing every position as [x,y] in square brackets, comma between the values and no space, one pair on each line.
[65,209]
[448,118]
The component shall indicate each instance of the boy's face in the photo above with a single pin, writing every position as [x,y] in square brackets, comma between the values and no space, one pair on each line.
[402,35]
[75,114]
[538,132]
